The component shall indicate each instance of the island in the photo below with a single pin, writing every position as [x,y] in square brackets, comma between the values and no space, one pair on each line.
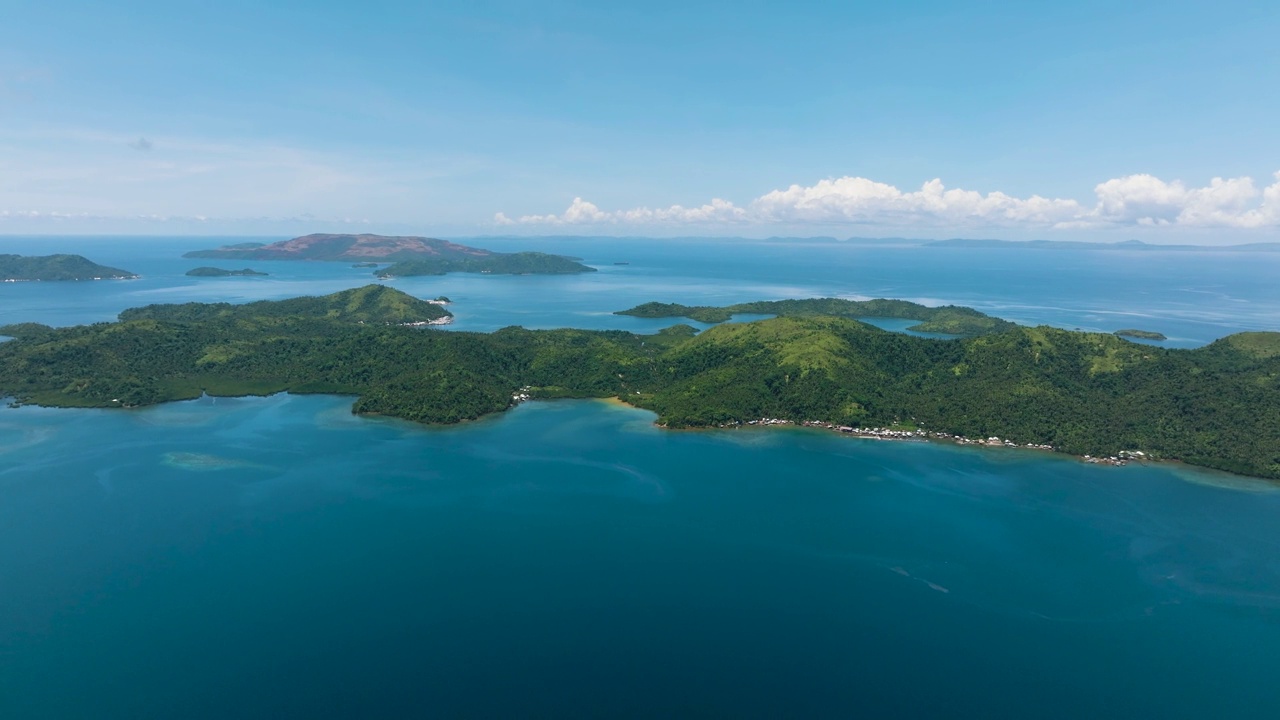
[33,268]
[219,272]
[411,255]
[946,320]
[521,263]
[364,265]
[1141,334]
[1087,394]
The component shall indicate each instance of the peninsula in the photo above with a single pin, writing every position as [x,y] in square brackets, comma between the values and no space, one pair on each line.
[24,268]
[947,320]
[411,255]
[1075,392]
[219,272]
[1141,334]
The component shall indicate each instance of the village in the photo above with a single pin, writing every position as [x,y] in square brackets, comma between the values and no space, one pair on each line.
[1124,457]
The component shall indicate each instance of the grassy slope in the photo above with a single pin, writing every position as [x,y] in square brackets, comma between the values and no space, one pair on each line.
[948,319]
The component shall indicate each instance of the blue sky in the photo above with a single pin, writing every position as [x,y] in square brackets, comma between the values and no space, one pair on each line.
[927,119]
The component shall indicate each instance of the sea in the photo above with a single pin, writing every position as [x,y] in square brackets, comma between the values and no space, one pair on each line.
[279,557]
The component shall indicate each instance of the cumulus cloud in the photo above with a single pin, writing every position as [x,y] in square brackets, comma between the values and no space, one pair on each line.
[581,212]
[1133,200]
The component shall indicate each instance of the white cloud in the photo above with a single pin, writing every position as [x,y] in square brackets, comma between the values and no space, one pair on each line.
[581,212]
[1133,200]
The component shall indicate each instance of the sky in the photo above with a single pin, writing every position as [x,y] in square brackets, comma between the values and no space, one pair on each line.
[1082,120]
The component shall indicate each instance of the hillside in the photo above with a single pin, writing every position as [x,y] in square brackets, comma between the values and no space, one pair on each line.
[522,263]
[1082,393]
[219,272]
[949,319]
[368,304]
[21,268]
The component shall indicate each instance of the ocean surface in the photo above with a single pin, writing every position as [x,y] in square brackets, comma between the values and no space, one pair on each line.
[267,557]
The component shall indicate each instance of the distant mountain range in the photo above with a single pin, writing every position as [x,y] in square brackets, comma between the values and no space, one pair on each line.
[1076,245]
[1027,244]
[413,255]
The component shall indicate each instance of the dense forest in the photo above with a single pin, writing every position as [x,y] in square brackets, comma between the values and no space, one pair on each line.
[1094,393]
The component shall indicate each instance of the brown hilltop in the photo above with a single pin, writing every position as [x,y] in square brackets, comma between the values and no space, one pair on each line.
[332,246]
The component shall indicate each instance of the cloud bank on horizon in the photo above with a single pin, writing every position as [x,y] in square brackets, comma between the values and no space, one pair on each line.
[1139,200]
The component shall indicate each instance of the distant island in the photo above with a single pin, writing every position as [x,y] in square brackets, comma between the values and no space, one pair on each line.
[364,265]
[1077,245]
[1141,334]
[219,272]
[1088,394]
[947,320]
[411,255]
[521,263]
[25,268]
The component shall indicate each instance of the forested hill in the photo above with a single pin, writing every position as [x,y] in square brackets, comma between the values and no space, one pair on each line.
[949,319]
[521,263]
[368,304]
[412,255]
[18,268]
[340,246]
[1093,393]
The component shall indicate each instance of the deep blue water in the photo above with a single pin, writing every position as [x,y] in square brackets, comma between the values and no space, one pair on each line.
[261,557]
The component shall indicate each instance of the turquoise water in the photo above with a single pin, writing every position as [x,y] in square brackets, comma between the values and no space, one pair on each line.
[260,557]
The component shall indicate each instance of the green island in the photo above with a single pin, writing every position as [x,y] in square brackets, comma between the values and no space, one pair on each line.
[1141,334]
[219,272]
[948,320]
[1075,392]
[521,263]
[410,255]
[32,268]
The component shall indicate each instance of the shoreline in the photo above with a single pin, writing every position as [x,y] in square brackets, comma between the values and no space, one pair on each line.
[1120,459]
[522,396]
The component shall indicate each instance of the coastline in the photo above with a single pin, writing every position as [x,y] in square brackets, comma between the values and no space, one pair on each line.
[1120,459]
[1231,480]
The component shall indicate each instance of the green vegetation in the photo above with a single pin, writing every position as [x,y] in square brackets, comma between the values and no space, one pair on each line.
[1083,393]
[521,263]
[1258,345]
[1140,334]
[949,319]
[16,268]
[411,255]
[219,272]
[369,304]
